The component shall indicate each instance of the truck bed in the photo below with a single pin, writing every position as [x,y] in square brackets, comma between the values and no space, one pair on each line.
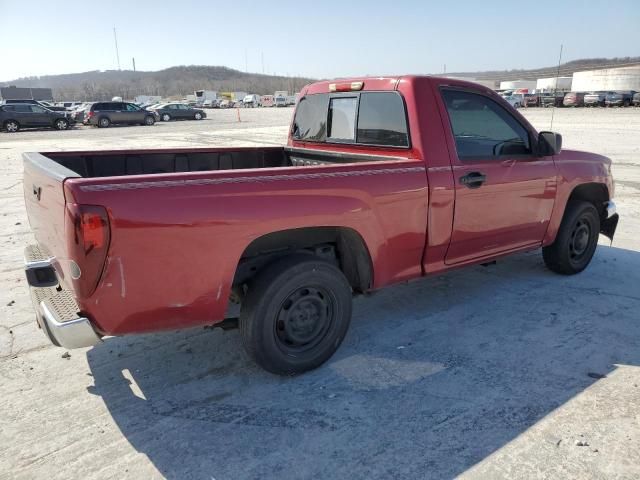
[180,221]
[149,162]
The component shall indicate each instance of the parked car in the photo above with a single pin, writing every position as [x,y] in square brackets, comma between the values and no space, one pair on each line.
[79,113]
[104,114]
[179,111]
[514,100]
[251,101]
[531,100]
[574,99]
[42,103]
[226,104]
[211,103]
[619,98]
[636,99]
[237,226]
[552,99]
[280,101]
[14,116]
[595,99]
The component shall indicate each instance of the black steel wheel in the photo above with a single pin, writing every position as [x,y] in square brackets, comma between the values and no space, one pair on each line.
[576,240]
[295,314]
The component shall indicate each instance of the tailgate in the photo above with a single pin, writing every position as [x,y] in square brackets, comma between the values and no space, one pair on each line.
[45,203]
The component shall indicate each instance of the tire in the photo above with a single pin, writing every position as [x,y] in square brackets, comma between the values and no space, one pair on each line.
[198,116]
[149,120]
[576,240]
[295,314]
[11,126]
[61,124]
[165,117]
[104,122]
[626,103]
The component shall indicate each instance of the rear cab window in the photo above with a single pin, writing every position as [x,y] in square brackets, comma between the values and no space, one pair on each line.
[362,118]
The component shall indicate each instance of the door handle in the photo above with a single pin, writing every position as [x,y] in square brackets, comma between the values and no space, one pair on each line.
[473,179]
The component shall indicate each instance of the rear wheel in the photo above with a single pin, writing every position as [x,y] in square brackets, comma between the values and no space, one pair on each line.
[61,124]
[295,314]
[104,122]
[11,126]
[576,240]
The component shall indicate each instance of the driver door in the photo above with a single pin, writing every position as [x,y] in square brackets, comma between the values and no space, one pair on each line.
[504,194]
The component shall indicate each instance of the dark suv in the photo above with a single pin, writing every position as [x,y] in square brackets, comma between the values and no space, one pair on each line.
[103,114]
[15,116]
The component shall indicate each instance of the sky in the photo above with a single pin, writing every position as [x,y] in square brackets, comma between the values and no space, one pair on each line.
[314,39]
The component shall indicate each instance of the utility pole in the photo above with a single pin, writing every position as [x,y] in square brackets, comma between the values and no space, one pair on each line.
[115,39]
[134,63]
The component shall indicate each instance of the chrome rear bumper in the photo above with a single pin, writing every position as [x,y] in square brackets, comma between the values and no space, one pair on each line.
[57,312]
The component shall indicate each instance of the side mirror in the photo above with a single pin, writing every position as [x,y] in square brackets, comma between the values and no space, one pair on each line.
[549,143]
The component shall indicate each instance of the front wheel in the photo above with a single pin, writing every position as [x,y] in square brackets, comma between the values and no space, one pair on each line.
[198,116]
[61,124]
[165,117]
[149,120]
[295,314]
[576,240]
[11,126]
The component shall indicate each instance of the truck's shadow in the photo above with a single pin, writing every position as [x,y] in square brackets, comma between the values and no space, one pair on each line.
[433,377]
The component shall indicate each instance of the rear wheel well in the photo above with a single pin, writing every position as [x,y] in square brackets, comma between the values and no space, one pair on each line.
[595,193]
[342,246]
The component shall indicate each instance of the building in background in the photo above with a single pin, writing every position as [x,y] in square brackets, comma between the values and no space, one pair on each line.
[529,85]
[621,78]
[554,83]
[25,93]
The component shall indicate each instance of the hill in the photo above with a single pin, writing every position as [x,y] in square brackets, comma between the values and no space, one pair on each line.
[170,82]
[566,69]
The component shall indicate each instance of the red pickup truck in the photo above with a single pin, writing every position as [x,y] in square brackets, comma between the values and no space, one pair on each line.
[382,180]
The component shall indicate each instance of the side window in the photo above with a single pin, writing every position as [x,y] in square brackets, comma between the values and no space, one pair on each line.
[381,120]
[22,108]
[342,118]
[37,109]
[132,108]
[482,128]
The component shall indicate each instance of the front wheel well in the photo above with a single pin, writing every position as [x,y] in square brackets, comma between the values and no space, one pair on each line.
[595,193]
[341,246]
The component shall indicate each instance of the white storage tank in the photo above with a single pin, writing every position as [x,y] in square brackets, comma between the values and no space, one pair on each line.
[546,84]
[621,78]
[518,84]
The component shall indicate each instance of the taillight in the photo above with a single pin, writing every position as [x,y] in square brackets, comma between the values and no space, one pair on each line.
[90,114]
[88,236]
